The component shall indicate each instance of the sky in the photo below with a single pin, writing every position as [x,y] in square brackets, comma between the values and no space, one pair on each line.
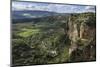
[59,8]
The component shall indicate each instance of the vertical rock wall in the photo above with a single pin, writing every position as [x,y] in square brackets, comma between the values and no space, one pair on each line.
[82,34]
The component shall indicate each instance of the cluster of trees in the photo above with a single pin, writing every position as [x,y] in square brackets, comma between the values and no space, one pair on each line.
[52,42]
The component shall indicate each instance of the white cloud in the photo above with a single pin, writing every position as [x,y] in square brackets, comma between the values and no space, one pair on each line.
[90,8]
[61,8]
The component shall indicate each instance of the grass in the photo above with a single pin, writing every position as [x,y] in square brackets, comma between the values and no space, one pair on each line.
[28,32]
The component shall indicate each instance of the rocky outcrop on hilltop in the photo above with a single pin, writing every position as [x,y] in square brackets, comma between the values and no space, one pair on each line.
[82,34]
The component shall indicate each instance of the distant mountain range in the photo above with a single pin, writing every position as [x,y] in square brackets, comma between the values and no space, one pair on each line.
[24,14]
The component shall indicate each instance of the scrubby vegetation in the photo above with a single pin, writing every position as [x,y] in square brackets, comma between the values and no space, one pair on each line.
[54,39]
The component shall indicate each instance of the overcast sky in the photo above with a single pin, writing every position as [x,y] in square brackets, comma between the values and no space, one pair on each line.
[60,8]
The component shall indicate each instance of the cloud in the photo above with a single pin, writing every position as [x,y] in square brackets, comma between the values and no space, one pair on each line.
[90,8]
[60,8]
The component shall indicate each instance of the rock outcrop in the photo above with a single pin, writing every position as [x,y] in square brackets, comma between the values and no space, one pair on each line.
[82,34]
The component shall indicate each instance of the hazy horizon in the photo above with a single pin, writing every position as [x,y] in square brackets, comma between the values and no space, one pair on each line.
[59,8]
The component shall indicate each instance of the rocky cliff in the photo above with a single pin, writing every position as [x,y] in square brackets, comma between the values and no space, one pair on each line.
[82,34]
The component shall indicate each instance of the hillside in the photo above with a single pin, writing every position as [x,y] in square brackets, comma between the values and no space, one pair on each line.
[24,14]
[54,39]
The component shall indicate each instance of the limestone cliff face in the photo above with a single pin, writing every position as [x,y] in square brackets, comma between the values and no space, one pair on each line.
[82,34]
